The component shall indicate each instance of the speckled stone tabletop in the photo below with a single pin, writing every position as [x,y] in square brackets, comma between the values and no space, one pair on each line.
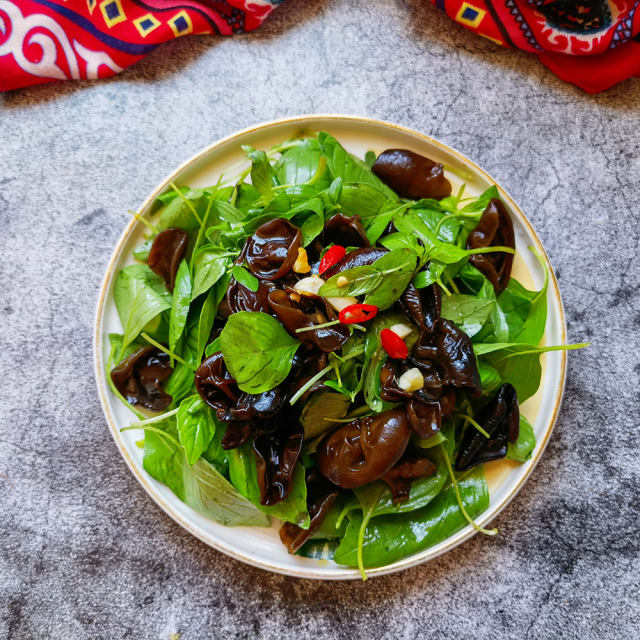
[84,553]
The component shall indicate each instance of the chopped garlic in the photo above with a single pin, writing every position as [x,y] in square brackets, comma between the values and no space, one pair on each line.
[342,282]
[301,265]
[339,303]
[308,286]
[411,380]
[401,330]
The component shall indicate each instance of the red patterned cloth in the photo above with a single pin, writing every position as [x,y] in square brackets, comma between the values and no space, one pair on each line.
[591,43]
[48,40]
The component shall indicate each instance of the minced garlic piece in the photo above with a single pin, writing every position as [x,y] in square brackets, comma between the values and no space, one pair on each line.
[301,265]
[401,330]
[308,286]
[411,380]
[339,303]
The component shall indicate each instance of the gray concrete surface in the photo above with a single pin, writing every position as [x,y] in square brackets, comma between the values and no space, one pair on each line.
[84,553]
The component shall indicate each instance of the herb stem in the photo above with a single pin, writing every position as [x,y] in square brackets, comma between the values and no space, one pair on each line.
[479,250]
[452,284]
[145,222]
[454,482]
[318,326]
[168,351]
[153,419]
[201,229]
[366,517]
[453,215]
[442,286]
[305,387]
[187,202]
[471,421]
[155,430]
[560,347]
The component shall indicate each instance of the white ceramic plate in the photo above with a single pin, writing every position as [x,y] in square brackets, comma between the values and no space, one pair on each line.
[261,546]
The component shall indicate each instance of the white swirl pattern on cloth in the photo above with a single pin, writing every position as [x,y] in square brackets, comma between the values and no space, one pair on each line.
[17,29]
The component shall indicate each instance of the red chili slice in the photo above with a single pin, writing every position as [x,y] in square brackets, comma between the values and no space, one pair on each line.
[333,255]
[358,313]
[393,344]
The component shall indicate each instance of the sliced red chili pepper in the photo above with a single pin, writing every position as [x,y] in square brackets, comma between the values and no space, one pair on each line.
[333,255]
[358,313]
[393,344]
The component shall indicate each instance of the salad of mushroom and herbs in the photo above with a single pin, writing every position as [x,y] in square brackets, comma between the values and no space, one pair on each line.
[335,343]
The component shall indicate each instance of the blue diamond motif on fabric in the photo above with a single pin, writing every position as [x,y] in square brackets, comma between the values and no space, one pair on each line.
[469,14]
[146,24]
[181,24]
[112,10]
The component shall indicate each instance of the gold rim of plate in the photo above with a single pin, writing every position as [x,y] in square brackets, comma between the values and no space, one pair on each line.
[344,573]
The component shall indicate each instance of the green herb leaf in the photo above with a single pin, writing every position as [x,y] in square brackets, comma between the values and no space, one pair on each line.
[361,280]
[521,449]
[178,214]
[257,350]
[196,427]
[397,268]
[391,537]
[260,171]
[245,278]
[299,165]
[200,486]
[343,165]
[366,201]
[468,312]
[431,274]
[227,212]
[321,407]
[489,377]
[140,295]
[180,304]
[141,252]
[206,319]
[209,265]
[518,364]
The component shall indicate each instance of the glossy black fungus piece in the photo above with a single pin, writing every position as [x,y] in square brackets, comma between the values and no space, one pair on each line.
[425,407]
[411,175]
[422,306]
[365,449]
[166,252]
[276,454]
[356,258]
[139,378]
[501,420]
[346,231]
[297,312]
[272,250]
[241,298]
[493,229]
[260,405]
[400,477]
[451,350]
[321,494]
[216,386]
[236,435]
